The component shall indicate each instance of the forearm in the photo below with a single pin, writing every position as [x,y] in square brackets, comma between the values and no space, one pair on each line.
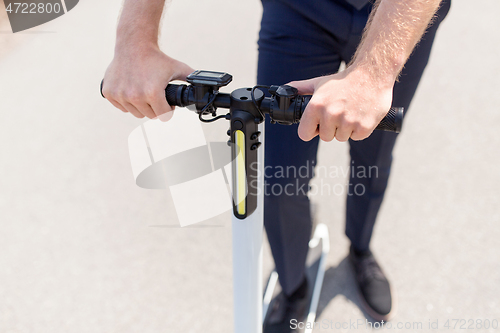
[135,80]
[393,30]
[139,23]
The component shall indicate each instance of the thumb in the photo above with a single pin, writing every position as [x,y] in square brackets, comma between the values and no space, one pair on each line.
[182,71]
[305,87]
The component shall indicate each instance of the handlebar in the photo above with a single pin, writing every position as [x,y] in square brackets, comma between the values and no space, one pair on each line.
[284,106]
[247,109]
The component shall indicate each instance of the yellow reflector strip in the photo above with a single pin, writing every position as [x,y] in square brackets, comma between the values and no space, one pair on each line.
[240,172]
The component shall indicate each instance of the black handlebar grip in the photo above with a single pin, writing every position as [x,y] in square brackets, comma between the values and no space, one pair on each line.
[393,121]
[171,94]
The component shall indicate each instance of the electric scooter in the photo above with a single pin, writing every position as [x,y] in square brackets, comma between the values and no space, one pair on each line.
[247,110]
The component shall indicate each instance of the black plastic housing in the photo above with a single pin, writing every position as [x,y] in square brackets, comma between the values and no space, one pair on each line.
[245,117]
[284,106]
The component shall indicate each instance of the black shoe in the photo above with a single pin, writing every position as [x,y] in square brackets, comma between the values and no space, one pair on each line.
[287,312]
[373,286]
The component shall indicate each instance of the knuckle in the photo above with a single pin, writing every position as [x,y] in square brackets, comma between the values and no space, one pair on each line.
[330,116]
[133,97]
[150,93]
[118,93]
[364,128]
[348,122]
[360,133]
[315,104]
[111,93]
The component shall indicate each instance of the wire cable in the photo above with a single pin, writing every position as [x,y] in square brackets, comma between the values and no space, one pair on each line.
[253,99]
[210,103]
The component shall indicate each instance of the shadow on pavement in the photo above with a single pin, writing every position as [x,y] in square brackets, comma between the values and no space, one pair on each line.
[340,280]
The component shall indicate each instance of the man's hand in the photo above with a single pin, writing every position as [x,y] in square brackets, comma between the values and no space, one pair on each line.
[136,79]
[351,104]
[344,105]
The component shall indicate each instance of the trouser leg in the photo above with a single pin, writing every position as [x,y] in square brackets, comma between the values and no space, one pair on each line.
[293,48]
[371,158]
[287,217]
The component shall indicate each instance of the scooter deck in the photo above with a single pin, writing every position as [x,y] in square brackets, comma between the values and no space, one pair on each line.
[319,247]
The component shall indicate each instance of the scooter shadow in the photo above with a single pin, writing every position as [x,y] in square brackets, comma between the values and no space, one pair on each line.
[340,280]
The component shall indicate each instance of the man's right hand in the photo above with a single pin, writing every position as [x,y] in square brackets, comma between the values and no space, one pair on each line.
[136,79]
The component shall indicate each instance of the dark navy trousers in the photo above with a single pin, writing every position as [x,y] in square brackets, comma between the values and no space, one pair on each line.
[299,40]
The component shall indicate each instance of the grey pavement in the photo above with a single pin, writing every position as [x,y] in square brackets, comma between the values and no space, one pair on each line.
[83,249]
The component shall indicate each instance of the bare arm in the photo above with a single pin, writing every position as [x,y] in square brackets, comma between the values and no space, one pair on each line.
[393,30]
[139,23]
[351,103]
[136,78]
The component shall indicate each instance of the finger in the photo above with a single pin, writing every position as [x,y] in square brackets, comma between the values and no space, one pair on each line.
[110,96]
[117,105]
[343,133]
[166,116]
[159,104]
[164,112]
[133,110]
[305,87]
[308,126]
[145,109]
[327,129]
[182,70]
[360,134]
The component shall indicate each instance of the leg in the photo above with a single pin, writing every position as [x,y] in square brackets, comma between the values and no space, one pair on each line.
[371,162]
[287,53]
[375,152]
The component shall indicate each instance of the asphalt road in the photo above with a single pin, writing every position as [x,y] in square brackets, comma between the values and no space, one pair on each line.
[83,249]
